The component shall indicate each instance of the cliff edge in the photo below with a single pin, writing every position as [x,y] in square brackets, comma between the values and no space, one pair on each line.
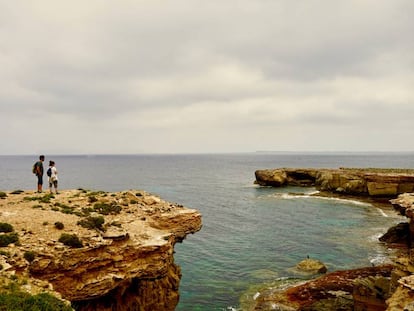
[98,250]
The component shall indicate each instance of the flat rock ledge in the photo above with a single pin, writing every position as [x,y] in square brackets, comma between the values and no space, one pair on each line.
[125,260]
[388,287]
[371,182]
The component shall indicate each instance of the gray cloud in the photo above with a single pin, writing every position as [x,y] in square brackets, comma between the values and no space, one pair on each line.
[206,76]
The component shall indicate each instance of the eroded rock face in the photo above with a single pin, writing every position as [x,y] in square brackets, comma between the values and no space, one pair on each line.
[333,291]
[126,264]
[362,182]
[274,178]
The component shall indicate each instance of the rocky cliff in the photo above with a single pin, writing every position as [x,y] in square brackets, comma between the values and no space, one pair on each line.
[350,181]
[388,287]
[98,250]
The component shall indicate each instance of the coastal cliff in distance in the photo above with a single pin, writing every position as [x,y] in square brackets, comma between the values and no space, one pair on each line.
[98,250]
[348,181]
[387,287]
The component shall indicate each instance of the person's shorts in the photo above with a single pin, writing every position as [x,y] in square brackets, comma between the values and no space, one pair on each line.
[53,183]
[39,179]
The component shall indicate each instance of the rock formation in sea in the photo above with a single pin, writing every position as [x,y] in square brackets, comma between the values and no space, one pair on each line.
[349,181]
[387,287]
[98,250]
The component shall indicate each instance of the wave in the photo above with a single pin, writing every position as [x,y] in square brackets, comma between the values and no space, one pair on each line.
[313,195]
[382,212]
[380,259]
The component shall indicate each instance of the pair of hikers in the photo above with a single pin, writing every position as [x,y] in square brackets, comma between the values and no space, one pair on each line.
[51,173]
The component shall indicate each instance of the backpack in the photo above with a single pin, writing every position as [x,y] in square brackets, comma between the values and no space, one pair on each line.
[34,168]
[49,172]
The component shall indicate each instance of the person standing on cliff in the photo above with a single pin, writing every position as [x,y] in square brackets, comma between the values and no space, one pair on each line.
[38,171]
[53,179]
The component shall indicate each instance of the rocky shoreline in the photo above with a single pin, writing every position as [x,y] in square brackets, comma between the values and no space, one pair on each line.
[388,287]
[117,253]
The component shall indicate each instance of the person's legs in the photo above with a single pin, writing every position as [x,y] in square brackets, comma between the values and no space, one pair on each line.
[55,183]
[39,183]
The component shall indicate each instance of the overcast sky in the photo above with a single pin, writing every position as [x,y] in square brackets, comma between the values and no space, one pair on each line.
[195,76]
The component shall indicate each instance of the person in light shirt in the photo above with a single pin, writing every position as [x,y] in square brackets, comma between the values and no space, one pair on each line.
[53,178]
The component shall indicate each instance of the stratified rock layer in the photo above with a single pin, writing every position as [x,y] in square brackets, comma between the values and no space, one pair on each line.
[362,182]
[125,264]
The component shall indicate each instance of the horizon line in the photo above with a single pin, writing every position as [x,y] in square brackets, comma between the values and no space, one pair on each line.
[219,153]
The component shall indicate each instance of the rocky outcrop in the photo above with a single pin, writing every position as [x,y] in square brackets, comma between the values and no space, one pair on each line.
[388,287]
[126,261]
[361,182]
[333,291]
[311,266]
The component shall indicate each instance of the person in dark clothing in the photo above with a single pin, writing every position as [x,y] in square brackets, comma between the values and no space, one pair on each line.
[39,173]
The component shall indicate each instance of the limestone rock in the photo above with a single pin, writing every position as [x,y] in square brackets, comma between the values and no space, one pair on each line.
[311,266]
[365,182]
[332,291]
[275,178]
[126,261]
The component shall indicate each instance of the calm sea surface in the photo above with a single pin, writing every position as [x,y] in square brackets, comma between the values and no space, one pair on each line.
[251,235]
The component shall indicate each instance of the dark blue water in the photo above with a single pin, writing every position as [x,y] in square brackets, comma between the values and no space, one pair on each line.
[251,235]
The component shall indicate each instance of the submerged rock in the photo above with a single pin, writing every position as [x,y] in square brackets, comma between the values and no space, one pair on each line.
[311,266]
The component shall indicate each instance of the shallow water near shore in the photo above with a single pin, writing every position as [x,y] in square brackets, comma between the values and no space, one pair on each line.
[251,235]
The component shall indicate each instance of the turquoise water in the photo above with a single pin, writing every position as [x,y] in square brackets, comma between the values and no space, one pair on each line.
[251,235]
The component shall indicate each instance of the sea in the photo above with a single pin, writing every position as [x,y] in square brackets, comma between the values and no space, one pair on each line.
[252,236]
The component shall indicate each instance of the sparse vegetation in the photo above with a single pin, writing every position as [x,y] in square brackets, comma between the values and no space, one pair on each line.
[5,227]
[59,225]
[86,211]
[30,198]
[3,195]
[66,209]
[92,199]
[70,240]
[46,198]
[43,199]
[29,256]
[14,299]
[107,209]
[8,238]
[92,222]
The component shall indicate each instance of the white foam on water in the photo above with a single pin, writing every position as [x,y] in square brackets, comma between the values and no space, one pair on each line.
[290,196]
[382,212]
[375,237]
[380,259]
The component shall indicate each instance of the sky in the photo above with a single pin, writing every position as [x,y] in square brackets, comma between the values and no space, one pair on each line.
[197,76]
